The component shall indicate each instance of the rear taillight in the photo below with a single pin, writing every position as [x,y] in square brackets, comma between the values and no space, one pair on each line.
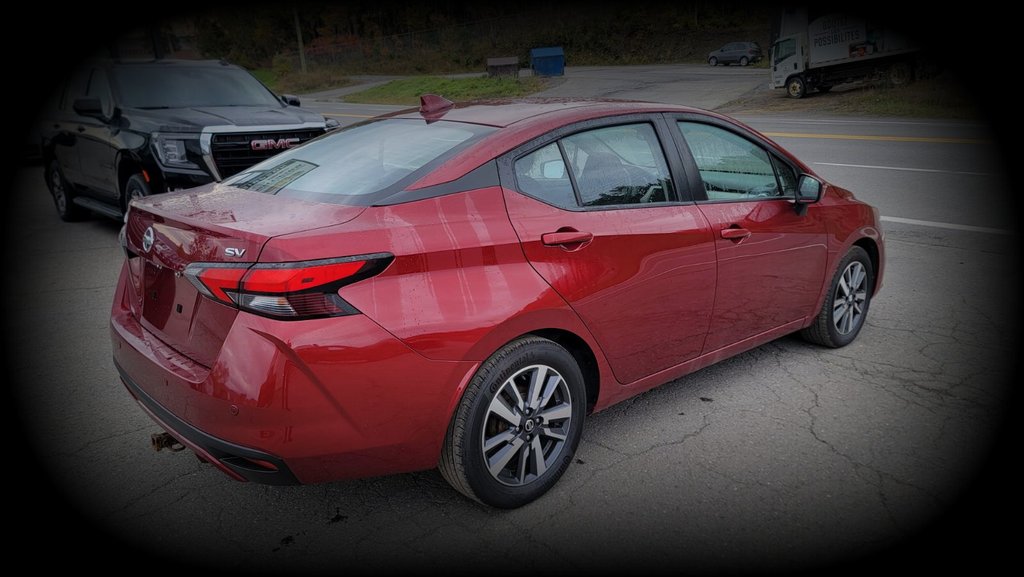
[294,290]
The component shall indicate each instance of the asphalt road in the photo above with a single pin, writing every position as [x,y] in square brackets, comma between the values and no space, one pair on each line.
[781,458]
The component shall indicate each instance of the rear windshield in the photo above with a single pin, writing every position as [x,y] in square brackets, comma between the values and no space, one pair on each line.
[165,86]
[362,163]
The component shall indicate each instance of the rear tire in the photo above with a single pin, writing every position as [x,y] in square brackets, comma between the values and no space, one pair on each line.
[518,425]
[846,305]
[744,61]
[62,193]
[899,74]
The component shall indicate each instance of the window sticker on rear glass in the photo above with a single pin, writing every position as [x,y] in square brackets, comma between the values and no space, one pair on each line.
[278,177]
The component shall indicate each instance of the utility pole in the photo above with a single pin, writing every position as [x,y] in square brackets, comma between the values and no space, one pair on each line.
[298,33]
[157,43]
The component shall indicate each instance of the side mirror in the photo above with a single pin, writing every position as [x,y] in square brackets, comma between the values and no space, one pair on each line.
[808,191]
[91,107]
[290,100]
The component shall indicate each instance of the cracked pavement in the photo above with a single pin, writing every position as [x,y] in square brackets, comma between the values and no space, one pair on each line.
[778,459]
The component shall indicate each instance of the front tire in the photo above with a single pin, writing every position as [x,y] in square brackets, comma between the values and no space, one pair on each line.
[713,61]
[846,306]
[795,87]
[135,187]
[62,193]
[517,428]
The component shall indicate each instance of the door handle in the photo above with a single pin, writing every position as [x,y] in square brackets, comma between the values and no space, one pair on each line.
[735,233]
[565,238]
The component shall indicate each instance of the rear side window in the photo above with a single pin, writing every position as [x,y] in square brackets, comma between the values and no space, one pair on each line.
[352,164]
[609,166]
[542,174]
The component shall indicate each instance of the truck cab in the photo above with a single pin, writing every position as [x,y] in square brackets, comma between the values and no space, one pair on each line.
[788,64]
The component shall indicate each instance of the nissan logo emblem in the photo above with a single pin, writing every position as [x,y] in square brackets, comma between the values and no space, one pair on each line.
[147,239]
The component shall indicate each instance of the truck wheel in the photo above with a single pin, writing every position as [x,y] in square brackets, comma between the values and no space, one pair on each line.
[899,74]
[62,192]
[744,61]
[795,87]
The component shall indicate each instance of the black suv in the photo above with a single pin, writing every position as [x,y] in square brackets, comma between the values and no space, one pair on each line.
[127,129]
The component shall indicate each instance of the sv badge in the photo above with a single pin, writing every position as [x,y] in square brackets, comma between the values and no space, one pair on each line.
[235,252]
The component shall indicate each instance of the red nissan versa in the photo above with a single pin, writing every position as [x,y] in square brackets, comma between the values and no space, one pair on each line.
[459,286]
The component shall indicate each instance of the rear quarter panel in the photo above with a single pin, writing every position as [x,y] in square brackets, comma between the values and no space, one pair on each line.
[460,287]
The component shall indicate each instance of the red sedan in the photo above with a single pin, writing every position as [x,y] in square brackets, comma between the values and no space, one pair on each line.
[459,286]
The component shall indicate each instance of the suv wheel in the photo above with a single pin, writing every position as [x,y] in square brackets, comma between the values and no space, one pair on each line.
[136,187]
[63,196]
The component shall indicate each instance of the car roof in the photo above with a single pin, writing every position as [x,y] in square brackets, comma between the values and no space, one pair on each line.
[503,113]
[524,119]
[164,62]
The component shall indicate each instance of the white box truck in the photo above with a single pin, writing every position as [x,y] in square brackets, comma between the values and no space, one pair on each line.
[818,52]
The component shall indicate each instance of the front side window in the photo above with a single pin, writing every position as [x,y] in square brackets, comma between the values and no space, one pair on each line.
[99,88]
[787,177]
[731,167]
[784,49]
[76,87]
[350,165]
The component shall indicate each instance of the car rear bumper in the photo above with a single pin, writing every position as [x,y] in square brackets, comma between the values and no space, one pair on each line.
[294,401]
[238,462]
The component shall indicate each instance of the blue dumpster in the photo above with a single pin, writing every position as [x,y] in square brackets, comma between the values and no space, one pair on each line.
[549,61]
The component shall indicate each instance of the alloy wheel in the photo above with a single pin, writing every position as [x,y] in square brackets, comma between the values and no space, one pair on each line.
[852,292]
[526,425]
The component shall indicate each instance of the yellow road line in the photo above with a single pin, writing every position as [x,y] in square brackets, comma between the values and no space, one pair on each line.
[347,115]
[938,139]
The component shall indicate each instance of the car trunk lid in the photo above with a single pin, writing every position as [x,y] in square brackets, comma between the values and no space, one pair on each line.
[214,224]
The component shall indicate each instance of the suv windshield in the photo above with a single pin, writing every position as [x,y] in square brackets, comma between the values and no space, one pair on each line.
[166,86]
[352,164]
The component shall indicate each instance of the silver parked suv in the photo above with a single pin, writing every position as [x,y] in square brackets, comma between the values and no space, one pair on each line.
[742,53]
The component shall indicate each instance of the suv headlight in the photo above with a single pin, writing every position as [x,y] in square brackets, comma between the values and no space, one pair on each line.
[173,149]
